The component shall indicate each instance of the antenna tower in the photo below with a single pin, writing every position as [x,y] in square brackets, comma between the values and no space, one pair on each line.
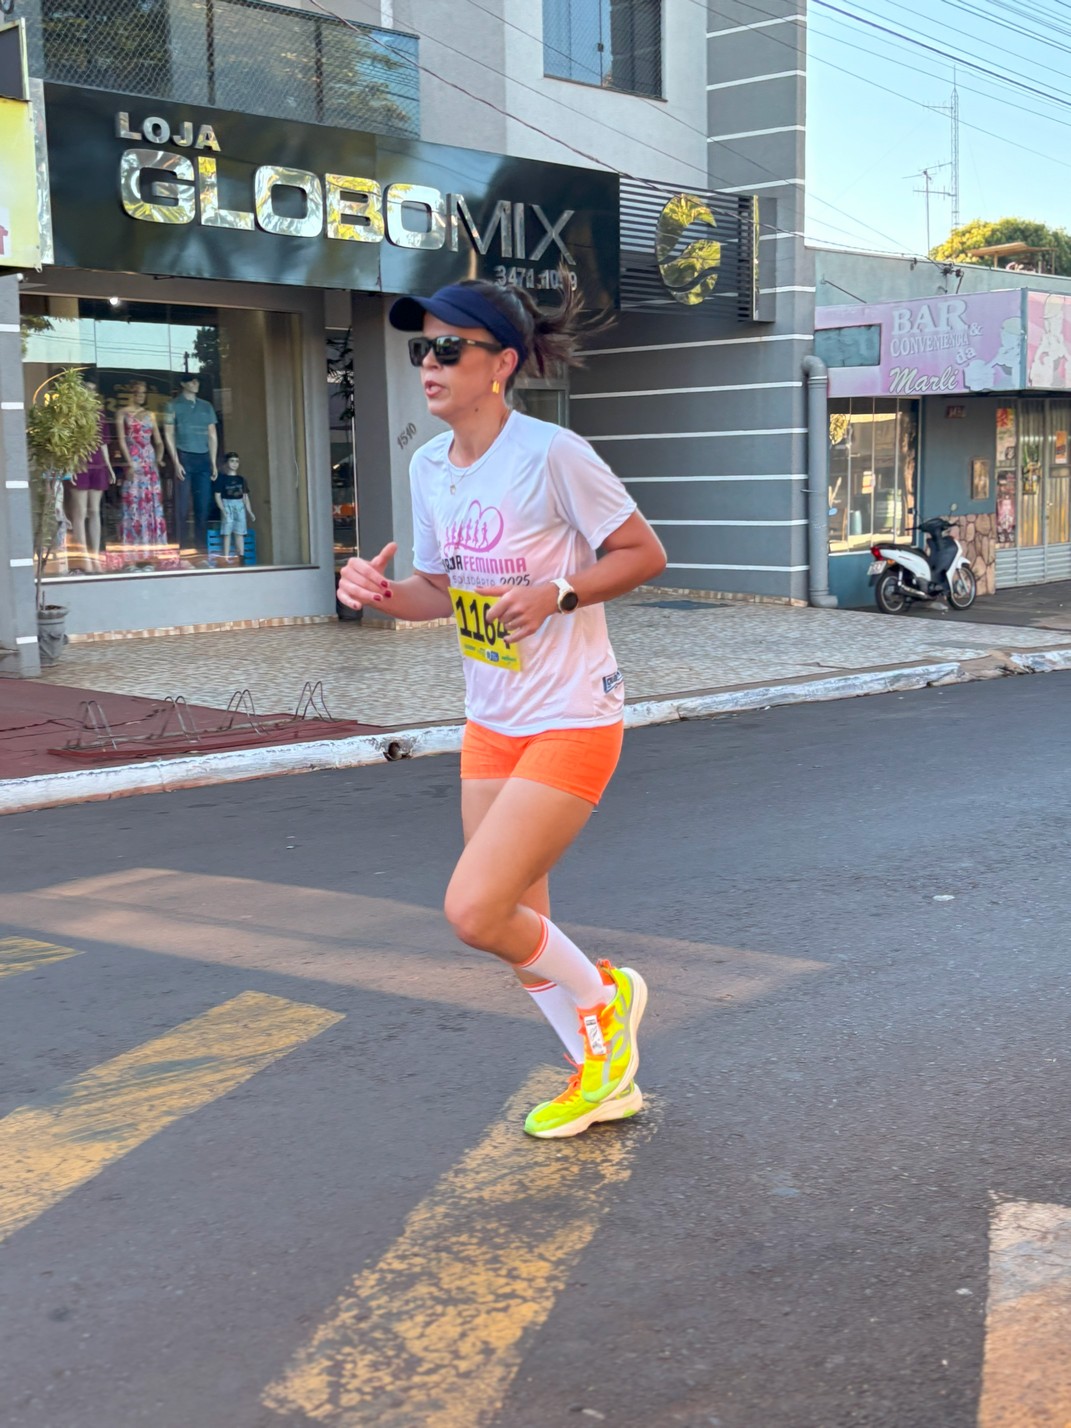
[951,109]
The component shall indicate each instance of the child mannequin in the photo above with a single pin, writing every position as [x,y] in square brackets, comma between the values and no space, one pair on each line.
[232,500]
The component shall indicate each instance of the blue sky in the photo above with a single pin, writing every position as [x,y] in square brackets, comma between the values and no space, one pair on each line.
[864,141]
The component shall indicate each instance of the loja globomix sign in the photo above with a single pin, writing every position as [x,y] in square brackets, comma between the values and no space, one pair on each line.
[156,187]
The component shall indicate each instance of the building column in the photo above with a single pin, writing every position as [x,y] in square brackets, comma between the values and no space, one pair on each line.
[390,422]
[18,606]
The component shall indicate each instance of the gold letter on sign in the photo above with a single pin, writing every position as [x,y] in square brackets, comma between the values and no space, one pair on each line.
[265,181]
[180,191]
[357,217]
[211,214]
[433,235]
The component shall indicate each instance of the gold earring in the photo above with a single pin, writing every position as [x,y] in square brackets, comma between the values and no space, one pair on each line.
[496,386]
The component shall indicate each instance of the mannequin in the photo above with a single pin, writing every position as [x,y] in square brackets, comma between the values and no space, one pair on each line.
[144,533]
[192,436]
[84,498]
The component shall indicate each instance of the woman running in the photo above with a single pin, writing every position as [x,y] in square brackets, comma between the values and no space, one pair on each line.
[508,513]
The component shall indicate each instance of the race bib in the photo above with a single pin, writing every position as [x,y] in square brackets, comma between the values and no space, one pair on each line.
[481,638]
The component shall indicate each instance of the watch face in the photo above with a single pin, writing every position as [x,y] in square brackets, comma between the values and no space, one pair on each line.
[569,601]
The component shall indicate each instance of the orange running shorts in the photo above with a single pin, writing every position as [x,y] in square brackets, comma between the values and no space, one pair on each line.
[578,761]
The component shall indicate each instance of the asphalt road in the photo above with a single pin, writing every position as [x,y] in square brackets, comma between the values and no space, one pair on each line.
[843,1073]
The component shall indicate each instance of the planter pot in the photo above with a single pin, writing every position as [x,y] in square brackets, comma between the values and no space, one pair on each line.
[51,632]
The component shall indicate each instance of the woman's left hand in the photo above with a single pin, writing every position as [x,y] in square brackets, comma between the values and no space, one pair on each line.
[520,609]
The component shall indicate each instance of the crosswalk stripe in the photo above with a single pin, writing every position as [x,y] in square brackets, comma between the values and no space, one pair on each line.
[1026,1375]
[23,954]
[48,1150]
[434,1333]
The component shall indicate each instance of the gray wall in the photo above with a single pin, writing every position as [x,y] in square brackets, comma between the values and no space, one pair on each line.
[482,86]
[702,418]
[844,277]
[947,446]
[719,465]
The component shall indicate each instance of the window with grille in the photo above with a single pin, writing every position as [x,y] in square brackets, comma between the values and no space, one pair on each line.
[613,43]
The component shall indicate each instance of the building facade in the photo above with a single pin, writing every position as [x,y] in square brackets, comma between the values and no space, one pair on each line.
[238,201]
[949,395]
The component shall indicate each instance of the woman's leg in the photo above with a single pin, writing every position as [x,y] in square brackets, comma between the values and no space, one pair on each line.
[521,835]
[93,527]
[77,502]
[519,838]
[552,1001]
[477,796]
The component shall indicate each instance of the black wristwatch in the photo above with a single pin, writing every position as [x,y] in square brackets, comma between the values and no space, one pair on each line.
[568,599]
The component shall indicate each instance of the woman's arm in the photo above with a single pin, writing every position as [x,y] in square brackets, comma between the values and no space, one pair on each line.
[120,431]
[420,597]
[633,554]
[157,440]
[106,454]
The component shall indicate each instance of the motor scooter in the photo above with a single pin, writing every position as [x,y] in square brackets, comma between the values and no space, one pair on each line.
[904,574]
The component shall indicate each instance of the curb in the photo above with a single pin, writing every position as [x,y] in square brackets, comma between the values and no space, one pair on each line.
[194,771]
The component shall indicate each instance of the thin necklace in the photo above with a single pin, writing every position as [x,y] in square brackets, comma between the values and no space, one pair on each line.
[456,482]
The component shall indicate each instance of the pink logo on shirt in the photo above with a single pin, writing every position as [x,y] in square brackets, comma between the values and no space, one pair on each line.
[480,530]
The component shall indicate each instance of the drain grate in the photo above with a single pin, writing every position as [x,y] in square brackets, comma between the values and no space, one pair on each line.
[678,605]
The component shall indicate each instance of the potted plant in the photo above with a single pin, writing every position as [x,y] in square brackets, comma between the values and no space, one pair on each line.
[61,435]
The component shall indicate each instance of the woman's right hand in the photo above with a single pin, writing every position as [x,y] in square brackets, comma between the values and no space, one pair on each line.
[363,582]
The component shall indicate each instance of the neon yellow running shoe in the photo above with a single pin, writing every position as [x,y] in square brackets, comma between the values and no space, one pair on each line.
[569,1114]
[611,1055]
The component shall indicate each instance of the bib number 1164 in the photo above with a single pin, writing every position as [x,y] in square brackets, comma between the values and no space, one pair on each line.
[481,638]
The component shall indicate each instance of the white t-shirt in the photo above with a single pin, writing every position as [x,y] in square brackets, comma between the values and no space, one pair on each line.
[534,507]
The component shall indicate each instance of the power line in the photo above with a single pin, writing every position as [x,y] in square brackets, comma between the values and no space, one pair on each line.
[899,94]
[591,158]
[944,54]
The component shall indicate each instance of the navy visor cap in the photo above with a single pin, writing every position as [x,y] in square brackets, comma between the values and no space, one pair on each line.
[463,307]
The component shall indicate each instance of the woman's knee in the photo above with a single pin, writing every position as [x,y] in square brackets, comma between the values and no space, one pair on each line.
[475,919]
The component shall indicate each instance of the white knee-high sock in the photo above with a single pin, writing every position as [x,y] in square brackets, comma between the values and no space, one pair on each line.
[557,959]
[559,1008]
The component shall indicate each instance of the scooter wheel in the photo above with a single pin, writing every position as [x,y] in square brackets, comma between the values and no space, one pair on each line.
[890,596]
[963,588]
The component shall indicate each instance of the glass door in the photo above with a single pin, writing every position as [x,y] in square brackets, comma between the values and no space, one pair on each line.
[343,450]
[1058,482]
[1032,441]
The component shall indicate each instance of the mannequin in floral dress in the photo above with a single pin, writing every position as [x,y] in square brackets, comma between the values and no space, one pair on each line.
[143,530]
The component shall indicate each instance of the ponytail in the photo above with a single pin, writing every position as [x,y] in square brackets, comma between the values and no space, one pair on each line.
[553,336]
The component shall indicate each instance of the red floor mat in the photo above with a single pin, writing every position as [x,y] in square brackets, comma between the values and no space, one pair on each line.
[37,720]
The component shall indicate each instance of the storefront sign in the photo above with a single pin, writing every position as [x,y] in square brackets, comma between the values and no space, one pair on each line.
[152,187]
[1048,342]
[20,241]
[930,346]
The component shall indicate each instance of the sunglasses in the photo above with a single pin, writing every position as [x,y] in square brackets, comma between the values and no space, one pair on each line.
[447,349]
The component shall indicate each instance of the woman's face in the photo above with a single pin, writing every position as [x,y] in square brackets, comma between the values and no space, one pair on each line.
[137,394]
[457,389]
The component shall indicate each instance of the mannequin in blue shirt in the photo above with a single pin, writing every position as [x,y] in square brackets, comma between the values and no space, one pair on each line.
[192,435]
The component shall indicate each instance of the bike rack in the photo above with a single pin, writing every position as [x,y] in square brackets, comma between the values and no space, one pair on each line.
[173,727]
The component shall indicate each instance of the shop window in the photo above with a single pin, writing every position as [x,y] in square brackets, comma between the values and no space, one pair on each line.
[873,463]
[203,432]
[849,346]
[616,44]
[546,399]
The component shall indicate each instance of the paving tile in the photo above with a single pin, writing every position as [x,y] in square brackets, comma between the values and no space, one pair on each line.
[665,646]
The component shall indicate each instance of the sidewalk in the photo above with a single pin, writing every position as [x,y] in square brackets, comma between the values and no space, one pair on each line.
[675,650]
